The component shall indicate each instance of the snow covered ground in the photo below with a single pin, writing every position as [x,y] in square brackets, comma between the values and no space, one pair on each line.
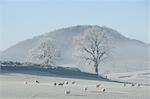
[142,77]
[12,86]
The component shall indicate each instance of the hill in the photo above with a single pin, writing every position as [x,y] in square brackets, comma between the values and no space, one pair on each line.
[127,55]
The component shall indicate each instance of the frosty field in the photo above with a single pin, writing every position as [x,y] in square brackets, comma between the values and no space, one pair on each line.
[13,87]
[74,49]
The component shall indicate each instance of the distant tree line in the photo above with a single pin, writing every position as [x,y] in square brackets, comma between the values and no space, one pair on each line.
[13,63]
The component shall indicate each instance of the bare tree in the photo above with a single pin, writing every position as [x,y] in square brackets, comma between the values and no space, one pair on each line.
[45,53]
[93,46]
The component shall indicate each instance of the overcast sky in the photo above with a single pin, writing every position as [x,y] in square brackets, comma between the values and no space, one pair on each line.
[23,19]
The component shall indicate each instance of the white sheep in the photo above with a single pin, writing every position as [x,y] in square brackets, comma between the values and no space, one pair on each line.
[85,89]
[67,92]
[66,82]
[103,89]
[25,82]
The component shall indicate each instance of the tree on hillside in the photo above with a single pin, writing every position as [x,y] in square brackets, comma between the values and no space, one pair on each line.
[93,46]
[45,53]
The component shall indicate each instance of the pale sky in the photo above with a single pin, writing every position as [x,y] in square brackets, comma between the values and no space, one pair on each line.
[23,19]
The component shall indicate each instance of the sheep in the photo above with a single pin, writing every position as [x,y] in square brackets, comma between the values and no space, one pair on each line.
[103,89]
[61,84]
[132,84]
[67,92]
[37,81]
[54,83]
[66,82]
[25,82]
[138,85]
[85,89]
[73,82]
[98,85]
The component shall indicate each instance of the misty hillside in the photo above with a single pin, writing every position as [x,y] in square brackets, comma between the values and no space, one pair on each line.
[127,55]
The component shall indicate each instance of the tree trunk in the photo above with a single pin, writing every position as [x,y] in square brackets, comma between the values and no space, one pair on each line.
[96,68]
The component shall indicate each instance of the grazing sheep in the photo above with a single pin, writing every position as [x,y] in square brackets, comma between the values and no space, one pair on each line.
[132,84]
[54,83]
[103,89]
[37,81]
[85,89]
[66,82]
[98,85]
[67,92]
[25,82]
[61,84]
[138,85]
[73,82]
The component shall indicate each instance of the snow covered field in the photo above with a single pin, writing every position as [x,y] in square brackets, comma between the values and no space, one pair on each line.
[13,86]
[142,77]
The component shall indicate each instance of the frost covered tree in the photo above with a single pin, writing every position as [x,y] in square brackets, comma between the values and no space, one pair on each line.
[93,46]
[45,53]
